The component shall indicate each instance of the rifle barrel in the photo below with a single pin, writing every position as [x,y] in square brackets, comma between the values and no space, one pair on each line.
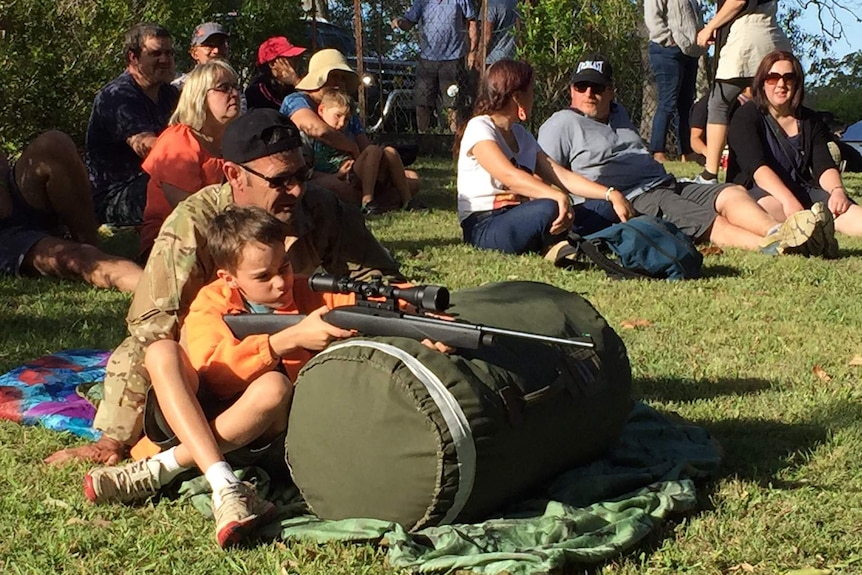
[502,331]
[539,337]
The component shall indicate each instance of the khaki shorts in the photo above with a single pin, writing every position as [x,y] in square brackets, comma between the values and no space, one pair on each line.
[688,206]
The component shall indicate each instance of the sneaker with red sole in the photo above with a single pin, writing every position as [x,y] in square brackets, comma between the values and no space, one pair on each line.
[238,512]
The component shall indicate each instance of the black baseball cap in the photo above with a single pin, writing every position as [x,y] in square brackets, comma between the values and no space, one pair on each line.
[259,133]
[593,68]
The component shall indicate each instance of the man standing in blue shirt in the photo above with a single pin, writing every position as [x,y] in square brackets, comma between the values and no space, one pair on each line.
[499,28]
[444,29]
[128,114]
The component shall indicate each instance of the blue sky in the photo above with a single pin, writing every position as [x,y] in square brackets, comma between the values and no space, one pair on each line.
[852,39]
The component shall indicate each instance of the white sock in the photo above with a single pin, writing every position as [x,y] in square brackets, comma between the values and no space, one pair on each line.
[220,475]
[170,469]
[773,229]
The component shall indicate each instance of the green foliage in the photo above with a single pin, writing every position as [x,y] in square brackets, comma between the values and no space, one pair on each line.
[556,33]
[56,54]
[839,88]
[378,36]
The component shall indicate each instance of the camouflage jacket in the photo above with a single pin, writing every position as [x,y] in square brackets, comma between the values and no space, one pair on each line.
[326,233]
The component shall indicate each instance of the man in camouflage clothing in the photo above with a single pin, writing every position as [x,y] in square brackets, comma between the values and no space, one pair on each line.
[264,167]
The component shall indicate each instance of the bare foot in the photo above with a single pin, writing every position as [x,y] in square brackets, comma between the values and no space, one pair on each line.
[659,157]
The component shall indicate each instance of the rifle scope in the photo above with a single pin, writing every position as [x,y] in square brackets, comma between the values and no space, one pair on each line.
[428,297]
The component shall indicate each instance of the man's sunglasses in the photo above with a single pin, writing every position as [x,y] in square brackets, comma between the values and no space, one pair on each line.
[597,89]
[159,53]
[284,181]
[773,77]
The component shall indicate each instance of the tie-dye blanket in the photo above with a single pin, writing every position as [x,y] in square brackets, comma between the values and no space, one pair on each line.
[43,391]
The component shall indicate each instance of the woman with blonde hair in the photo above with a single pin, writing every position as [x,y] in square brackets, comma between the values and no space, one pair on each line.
[187,155]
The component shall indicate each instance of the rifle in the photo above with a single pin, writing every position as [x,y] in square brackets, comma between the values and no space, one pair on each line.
[384,317]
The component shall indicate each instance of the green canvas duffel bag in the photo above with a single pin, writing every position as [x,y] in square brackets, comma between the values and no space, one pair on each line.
[387,428]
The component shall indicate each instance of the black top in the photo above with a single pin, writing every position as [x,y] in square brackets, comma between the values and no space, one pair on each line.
[697,115]
[265,92]
[750,149]
[121,110]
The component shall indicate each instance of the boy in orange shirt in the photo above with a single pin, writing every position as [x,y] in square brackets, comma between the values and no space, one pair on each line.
[247,383]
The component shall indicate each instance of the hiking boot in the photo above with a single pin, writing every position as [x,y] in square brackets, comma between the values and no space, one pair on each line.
[239,511]
[134,481]
[827,222]
[801,233]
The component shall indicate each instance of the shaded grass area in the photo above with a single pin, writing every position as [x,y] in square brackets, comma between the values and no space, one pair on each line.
[758,352]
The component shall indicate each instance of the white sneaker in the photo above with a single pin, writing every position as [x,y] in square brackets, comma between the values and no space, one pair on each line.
[238,512]
[701,180]
[134,481]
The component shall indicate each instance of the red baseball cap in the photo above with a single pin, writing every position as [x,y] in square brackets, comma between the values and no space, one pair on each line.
[276,47]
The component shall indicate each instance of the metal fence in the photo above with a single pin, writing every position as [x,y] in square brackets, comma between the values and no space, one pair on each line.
[389,66]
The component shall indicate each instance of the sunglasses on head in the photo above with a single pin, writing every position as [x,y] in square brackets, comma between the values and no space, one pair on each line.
[773,77]
[284,181]
[597,89]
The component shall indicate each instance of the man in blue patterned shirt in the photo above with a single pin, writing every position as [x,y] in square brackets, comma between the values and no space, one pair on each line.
[128,114]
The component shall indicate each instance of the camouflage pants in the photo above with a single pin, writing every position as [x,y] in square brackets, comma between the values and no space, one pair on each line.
[121,412]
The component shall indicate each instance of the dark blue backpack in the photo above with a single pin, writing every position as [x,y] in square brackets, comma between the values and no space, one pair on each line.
[645,247]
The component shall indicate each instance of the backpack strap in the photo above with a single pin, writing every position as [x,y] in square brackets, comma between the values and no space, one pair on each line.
[592,252]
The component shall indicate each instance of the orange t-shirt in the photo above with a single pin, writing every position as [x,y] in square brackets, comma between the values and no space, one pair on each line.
[226,364]
[177,158]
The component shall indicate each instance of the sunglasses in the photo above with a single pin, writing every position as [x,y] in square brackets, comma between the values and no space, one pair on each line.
[159,53]
[284,181]
[597,89]
[226,87]
[773,77]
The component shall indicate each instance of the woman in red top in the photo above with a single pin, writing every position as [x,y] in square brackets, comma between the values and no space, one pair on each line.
[187,155]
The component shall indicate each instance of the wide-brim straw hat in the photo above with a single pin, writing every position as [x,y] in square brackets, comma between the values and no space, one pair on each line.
[321,64]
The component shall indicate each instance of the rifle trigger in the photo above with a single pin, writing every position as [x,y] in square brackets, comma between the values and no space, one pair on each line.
[513,401]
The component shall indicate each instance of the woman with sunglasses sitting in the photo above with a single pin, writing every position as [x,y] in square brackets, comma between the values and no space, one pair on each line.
[778,149]
[187,155]
[511,195]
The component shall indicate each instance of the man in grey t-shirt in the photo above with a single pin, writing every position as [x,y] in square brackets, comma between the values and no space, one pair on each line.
[596,138]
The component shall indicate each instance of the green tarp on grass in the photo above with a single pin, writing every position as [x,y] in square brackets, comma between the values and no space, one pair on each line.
[587,515]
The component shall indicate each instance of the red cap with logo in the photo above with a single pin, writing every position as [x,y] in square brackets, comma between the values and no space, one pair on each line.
[277,47]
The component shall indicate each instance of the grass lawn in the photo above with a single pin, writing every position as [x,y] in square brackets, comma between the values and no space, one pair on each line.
[759,352]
